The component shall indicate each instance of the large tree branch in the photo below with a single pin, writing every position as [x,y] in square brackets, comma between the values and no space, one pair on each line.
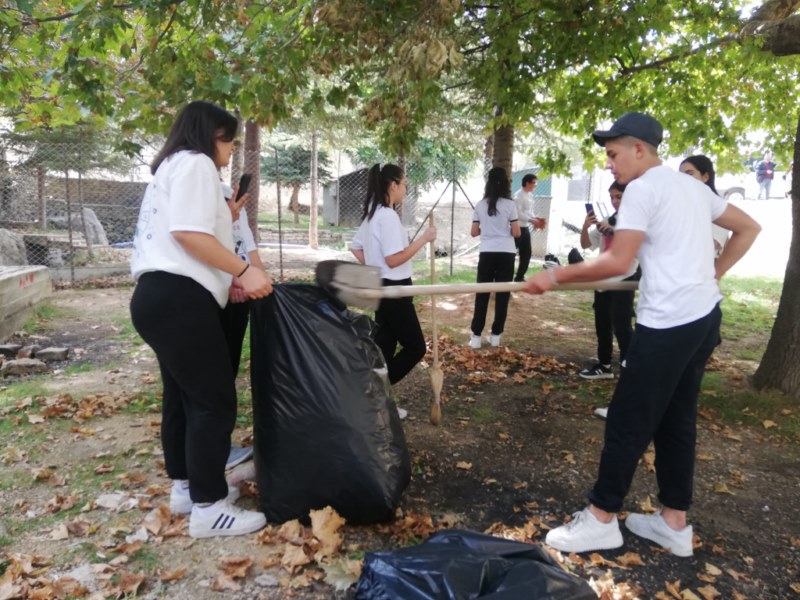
[679,55]
[781,38]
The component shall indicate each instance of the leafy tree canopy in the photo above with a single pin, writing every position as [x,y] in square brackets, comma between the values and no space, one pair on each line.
[294,165]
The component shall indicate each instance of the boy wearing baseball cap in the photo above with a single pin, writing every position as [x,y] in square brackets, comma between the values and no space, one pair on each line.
[665,222]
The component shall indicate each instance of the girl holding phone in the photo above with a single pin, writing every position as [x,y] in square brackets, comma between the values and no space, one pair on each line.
[183,263]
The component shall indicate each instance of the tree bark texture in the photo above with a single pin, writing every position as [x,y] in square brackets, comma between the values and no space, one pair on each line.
[252,165]
[503,152]
[780,365]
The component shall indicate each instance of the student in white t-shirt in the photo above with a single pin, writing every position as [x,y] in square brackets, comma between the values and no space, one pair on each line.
[665,222]
[183,263]
[382,241]
[495,220]
[237,312]
[701,168]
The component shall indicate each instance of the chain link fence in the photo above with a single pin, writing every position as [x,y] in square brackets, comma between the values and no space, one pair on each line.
[58,210]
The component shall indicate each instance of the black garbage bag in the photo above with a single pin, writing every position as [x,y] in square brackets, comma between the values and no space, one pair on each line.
[326,432]
[462,565]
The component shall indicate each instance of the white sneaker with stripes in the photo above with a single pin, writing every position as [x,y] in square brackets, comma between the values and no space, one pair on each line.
[223,518]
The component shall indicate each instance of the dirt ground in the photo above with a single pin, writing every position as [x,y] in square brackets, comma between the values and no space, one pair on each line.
[516,452]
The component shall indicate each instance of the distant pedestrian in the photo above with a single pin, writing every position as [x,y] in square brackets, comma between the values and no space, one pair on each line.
[765,173]
[523,198]
[664,221]
[495,221]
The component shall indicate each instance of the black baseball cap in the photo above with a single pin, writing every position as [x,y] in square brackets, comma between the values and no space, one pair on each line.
[635,124]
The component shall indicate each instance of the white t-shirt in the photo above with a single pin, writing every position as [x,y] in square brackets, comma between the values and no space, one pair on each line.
[524,203]
[184,195]
[677,254]
[496,230]
[382,236]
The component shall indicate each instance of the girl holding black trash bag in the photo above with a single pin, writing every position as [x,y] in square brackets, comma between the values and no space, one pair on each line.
[183,263]
[382,241]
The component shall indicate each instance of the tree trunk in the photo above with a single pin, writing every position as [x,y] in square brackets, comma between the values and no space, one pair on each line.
[294,203]
[503,155]
[252,165]
[488,153]
[237,160]
[779,365]
[313,238]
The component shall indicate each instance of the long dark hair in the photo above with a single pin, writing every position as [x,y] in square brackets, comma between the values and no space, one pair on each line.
[378,187]
[497,186]
[703,164]
[195,129]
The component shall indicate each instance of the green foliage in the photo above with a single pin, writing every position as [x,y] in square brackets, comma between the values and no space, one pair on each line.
[428,161]
[294,165]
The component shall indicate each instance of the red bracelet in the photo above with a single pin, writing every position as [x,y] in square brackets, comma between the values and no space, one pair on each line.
[247,266]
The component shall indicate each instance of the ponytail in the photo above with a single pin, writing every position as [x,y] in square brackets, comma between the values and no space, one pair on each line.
[378,181]
[497,186]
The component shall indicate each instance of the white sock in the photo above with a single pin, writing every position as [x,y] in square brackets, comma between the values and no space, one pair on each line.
[203,509]
[180,487]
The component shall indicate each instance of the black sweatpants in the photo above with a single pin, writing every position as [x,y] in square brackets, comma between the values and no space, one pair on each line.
[397,323]
[523,243]
[613,317]
[180,320]
[656,399]
[493,266]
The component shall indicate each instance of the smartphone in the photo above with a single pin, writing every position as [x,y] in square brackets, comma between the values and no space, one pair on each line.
[589,208]
[244,183]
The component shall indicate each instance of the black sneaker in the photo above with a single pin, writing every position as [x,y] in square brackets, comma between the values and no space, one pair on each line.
[598,371]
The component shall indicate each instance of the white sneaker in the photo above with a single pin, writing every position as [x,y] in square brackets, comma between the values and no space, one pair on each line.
[655,529]
[223,518]
[180,502]
[475,341]
[585,533]
[494,340]
[601,412]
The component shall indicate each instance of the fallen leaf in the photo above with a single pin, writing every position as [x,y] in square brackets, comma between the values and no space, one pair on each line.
[768,424]
[629,559]
[41,473]
[325,526]
[709,592]
[342,573]
[712,570]
[721,488]
[674,588]
[569,458]
[59,533]
[35,419]
[167,575]
[294,557]
[463,465]
[129,583]
[689,595]
[235,566]
[224,583]
[647,505]
[795,587]
[705,457]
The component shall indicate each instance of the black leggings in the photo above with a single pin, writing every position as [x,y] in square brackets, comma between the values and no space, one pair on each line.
[398,324]
[180,320]
[493,266]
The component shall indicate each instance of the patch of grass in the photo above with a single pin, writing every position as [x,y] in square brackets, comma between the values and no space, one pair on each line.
[4,541]
[146,560]
[127,332]
[76,368]
[747,406]
[749,307]
[12,392]
[44,313]
[423,273]
[144,403]
[481,415]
